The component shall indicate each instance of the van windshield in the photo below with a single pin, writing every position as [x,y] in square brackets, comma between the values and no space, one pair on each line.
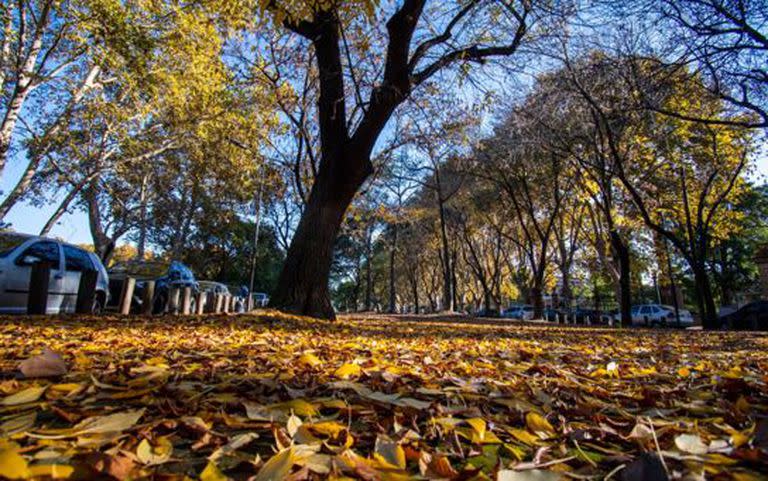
[9,241]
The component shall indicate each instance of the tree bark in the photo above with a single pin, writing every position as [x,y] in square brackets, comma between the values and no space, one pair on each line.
[447,277]
[302,287]
[392,251]
[345,157]
[621,253]
[537,299]
[368,269]
[23,84]
[63,206]
[705,297]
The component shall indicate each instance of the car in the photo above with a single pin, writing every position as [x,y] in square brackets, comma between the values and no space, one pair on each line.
[753,317]
[213,286]
[260,299]
[167,276]
[223,289]
[18,252]
[522,312]
[583,315]
[611,317]
[659,315]
[483,312]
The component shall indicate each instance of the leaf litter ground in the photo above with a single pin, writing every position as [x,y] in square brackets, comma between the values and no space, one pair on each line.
[270,397]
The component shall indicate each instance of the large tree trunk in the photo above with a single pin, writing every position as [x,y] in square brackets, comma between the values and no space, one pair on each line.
[302,287]
[537,299]
[704,296]
[487,300]
[621,253]
[345,156]
[415,291]
[566,293]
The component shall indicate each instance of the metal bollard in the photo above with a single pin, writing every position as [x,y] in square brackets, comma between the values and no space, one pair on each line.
[86,292]
[173,300]
[186,301]
[126,296]
[39,280]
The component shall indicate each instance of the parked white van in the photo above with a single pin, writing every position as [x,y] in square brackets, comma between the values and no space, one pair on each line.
[18,252]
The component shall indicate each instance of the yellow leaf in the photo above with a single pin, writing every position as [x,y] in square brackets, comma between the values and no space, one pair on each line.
[523,436]
[31,394]
[328,428]
[479,426]
[12,464]
[683,372]
[276,467]
[212,473]
[298,406]
[538,424]
[739,439]
[55,471]
[310,360]
[158,453]
[348,370]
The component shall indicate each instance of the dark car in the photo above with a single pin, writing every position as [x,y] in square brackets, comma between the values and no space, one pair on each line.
[581,315]
[554,315]
[166,276]
[752,317]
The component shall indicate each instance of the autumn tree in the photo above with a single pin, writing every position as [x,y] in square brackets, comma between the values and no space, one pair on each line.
[163,137]
[677,173]
[423,39]
[725,45]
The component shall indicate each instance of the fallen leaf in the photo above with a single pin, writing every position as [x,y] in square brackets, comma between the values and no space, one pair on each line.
[31,394]
[12,464]
[157,452]
[310,360]
[389,453]
[539,425]
[691,443]
[47,364]
[212,473]
[347,371]
[276,467]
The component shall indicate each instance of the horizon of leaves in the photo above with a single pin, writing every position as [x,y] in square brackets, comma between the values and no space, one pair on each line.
[272,396]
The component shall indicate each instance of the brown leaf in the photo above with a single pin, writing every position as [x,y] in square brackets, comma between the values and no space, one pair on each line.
[47,364]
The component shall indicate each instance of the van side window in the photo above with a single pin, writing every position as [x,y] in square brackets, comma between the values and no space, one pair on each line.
[44,251]
[77,260]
